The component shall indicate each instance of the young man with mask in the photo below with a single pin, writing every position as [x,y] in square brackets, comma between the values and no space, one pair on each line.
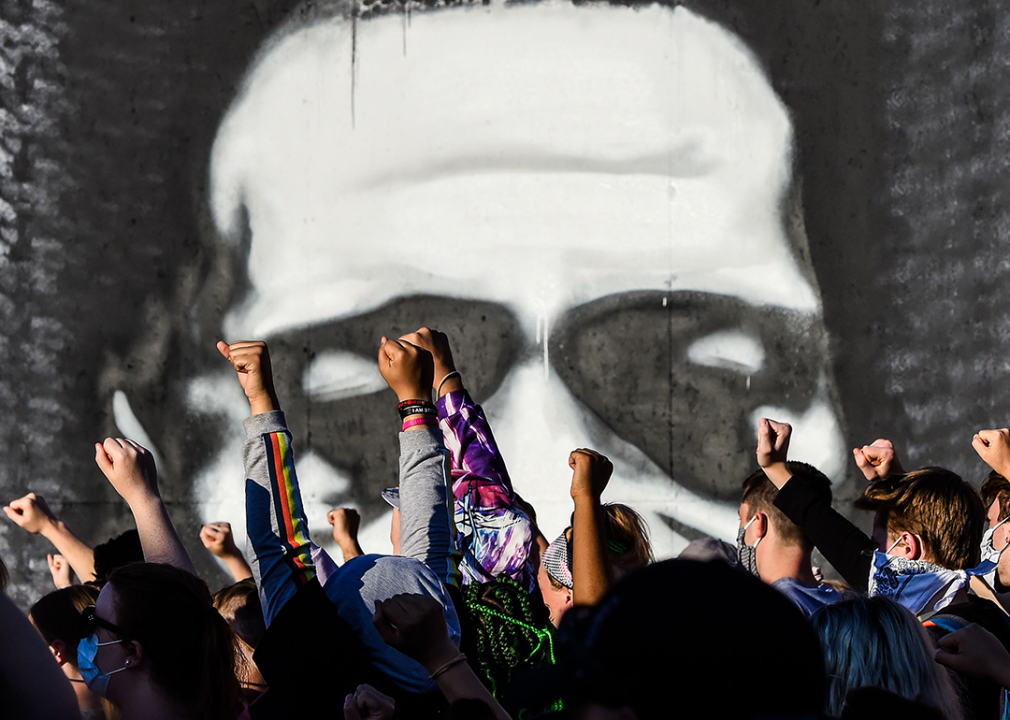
[928,527]
[774,548]
[993,446]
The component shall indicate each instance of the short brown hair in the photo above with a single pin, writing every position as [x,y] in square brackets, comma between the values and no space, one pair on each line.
[759,494]
[939,507]
[996,487]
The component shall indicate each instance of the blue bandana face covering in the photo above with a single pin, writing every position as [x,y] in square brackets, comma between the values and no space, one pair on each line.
[87,649]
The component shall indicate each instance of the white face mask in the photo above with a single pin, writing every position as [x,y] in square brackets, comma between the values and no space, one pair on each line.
[989,551]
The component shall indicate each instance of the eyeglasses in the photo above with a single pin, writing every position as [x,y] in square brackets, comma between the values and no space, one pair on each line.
[90,622]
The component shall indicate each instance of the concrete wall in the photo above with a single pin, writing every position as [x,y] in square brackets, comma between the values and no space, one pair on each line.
[642,228]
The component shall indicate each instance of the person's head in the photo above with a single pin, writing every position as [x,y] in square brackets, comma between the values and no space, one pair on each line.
[115,552]
[995,494]
[611,108]
[57,616]
[668,630]
[156,626]
[627,536]
[766,528]
[239,605]
[876,642]
[929,514]
[627,539]
[511,630]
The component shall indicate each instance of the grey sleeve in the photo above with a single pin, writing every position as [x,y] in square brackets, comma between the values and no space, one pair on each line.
[427,529]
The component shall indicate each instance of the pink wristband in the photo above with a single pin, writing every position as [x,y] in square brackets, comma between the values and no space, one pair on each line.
[419,420]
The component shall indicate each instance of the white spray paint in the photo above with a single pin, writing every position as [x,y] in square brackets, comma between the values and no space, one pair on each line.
[523,155]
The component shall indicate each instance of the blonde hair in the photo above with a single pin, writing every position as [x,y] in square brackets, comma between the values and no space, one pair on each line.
[627,537]
[875,642]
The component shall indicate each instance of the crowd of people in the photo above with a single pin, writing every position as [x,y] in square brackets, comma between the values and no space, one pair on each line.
[477,615]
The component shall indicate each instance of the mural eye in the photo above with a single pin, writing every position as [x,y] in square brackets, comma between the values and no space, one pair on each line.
[731,350]
[678,375]
[338,374]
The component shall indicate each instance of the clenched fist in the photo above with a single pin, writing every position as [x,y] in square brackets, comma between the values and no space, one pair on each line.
[31,513]
[217,538]
[59,568]
[591,472]
[415,625]
[877,461]
[408,369]
[251,360]
[437,344]
[993,446]
[130,468]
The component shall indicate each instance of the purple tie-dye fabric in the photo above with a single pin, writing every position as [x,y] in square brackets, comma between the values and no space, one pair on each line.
[493,534]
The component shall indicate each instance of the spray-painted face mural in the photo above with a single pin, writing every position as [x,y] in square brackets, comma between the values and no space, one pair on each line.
[592,202]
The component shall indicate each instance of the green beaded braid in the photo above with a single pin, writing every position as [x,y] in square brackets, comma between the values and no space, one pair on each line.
[512,634]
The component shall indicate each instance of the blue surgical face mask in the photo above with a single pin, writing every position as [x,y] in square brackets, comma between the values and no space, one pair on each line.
[87,650]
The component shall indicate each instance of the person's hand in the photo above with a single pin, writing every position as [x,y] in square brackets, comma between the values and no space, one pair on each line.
[591,472]
[993,446]
[367,703]
[31,513]
[59,568]
[345,522]
[415,625]
[974,651]
[130,468]
[217,538]
[437,344]
[251,360]
[773,450]
[407,369]
[878,461]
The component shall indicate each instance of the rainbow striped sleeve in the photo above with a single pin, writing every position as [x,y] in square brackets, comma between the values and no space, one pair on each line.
[289,512]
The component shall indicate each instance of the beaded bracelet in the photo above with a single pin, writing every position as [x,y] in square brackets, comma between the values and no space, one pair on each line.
[427,420]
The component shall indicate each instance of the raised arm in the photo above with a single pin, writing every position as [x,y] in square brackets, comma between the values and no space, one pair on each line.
[130,468]
[217,538]
[495,535]
[591,572]
[278,531]
[427,532]
[31,513]
[843,544]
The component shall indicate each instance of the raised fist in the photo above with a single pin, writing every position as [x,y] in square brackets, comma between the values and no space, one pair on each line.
[975,652]
[31,513]
[251,360]
[877,461]
[130,468]
[773,442]
[591,472]
[60,569]
[407,369]
[993,446]
[437,344]
[217,538]
[345,522]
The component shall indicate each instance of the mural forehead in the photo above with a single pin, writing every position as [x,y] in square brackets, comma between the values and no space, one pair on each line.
[578,151]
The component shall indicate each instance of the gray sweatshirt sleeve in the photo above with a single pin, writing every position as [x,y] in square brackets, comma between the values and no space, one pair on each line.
[427,529]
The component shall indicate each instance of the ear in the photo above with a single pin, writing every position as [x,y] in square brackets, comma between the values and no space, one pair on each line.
[59,651]
[134,652]
[568,599]
[913,546]
[761,524]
